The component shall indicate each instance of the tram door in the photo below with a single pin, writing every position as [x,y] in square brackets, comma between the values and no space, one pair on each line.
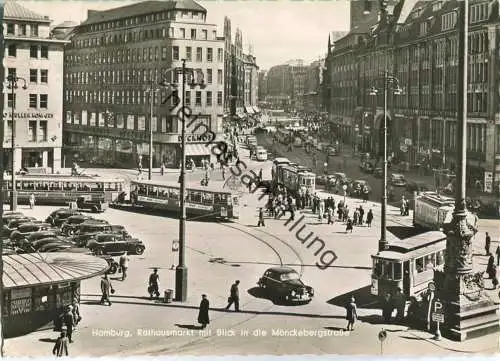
[406,278]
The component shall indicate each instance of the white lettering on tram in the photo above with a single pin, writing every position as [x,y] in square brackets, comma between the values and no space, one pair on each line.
[166,201]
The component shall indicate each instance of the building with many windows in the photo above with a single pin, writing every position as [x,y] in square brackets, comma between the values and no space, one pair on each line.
[251,84]
[35,106]
[418,44]
[114,65]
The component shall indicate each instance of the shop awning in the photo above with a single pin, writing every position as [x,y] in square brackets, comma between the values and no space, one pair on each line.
[29,269]
[197,149]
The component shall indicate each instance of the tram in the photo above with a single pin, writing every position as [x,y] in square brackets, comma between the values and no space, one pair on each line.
[59,190]
[408,264]
[293,178]
[201,201]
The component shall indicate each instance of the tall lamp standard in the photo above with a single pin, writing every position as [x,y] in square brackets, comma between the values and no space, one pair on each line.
[13,85]
[181,269]
[390,83]
[152,92]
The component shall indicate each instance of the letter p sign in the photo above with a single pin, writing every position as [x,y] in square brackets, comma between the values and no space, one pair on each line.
[438,307]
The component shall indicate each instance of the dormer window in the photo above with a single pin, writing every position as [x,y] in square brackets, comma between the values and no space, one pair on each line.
[448,21]
[478,12]
[437,5]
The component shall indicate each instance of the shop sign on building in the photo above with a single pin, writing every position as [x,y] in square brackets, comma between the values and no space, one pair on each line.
[488,182]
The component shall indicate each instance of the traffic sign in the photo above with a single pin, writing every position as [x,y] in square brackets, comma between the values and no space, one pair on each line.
[175,245]
[438,317]
[382,335]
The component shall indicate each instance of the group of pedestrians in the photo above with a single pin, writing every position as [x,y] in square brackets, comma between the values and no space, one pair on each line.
[491,268]
[66,323]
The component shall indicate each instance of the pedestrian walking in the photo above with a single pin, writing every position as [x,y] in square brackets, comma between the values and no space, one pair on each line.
[400,304]
[69,321]
[32,201]
[234,297]
[76,311]
[498,255]
[203,318]
[487,244]
[124,265]
[355,217]
[261,218]
[369,218]
[154,288]
[61,347]
[348,225]
[351,314]
[387,308]
[330,215]
[106,289]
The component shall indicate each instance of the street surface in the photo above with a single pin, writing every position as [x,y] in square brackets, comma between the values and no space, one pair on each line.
[217,255]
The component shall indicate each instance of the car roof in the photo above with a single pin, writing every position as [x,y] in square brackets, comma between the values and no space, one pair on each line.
[281,270]
[361,181]
[397,175]
[95,222]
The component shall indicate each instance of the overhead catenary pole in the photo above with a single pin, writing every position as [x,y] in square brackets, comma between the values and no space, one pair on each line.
[13,196]
[181,269]
[151,103]
[383,218]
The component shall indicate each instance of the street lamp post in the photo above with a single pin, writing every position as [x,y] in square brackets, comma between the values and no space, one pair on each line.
[152,91]
[181,271]
[388,81]
[13,85]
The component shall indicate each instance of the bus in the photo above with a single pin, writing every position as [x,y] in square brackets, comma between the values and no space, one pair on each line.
[201,201]
[408,264]
[59,190]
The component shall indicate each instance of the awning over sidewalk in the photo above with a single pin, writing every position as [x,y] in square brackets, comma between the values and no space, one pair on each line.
[197,150]
[32,269]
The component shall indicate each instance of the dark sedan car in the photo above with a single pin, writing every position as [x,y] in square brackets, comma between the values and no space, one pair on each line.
[14,224]
[87,231]
[58,217]
[71,224]
[35,236]
[26,229]
[42,242]
[115,244]
[356,188]
[55,247]
[283,284]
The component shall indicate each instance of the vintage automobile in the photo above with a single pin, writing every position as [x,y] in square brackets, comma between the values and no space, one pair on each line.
[378,173]
[355,189]
[341,178]
[37,245]
[114,266]
[398,180]
[13,224]
[366,167]
[283,284]
[35,236]
[59,216]
[88,204]
[71,225]
[417,187]
[112,243]
[332,151]
[55,247]
[26,229]
[89,231]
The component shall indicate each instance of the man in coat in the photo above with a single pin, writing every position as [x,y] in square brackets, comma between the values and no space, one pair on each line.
[124,265]
[203,318]
[234,297]
[154,288]
[106,289]
[69,321]
[61,347]
[487,244]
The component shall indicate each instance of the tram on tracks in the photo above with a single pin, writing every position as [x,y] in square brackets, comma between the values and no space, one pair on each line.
[54,189]
[202,202]
[294,178]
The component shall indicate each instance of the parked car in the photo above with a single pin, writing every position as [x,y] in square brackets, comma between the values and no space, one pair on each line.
[378,173]
[55,247]
[332,151]
[417,187]
[35,236]
[26,229]
[112,263]
[283,284]
[87,231]
[321,179]
[42,242]
[398,180]
[86,203]
[356,188]
[115,244]
[58,217]
[341,178]
[71,224]
[13,224]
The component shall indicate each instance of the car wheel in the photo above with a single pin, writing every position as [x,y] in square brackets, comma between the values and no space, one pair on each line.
[94,209]
[113,268]
[70,232]
[99,251]
[139,250]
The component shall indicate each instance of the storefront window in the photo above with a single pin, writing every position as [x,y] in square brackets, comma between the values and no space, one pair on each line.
[41,299]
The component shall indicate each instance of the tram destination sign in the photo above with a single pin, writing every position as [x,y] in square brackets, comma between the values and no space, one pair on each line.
[29,115]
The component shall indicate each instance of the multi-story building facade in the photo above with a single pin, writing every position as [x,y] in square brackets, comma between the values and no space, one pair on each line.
[251,84]
[279,86]
[114,65]
[311,99]
[418,45]
[262,86]
[35,108]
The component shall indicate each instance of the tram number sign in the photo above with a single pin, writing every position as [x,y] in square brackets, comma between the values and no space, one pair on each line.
[175,245]
[382,335]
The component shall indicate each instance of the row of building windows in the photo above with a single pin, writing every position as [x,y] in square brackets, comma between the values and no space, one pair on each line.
[153,18]
[36,130]
[128,56]
[139,97]
[36,75]
[130,76]
[22,29]
[36,52]
[36,101]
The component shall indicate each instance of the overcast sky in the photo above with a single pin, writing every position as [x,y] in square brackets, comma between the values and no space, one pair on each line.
[279,30]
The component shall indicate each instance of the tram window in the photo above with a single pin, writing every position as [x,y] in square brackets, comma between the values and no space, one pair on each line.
[174,193]
[163,193]
[195,197]
[419,265]
[18,185]
[377,267]
[398,271]
[208,198]
[141,190]
[118,186]
[440,258]
[220,198]
[109,186]
[429,262]
[387,269]
[151,191]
